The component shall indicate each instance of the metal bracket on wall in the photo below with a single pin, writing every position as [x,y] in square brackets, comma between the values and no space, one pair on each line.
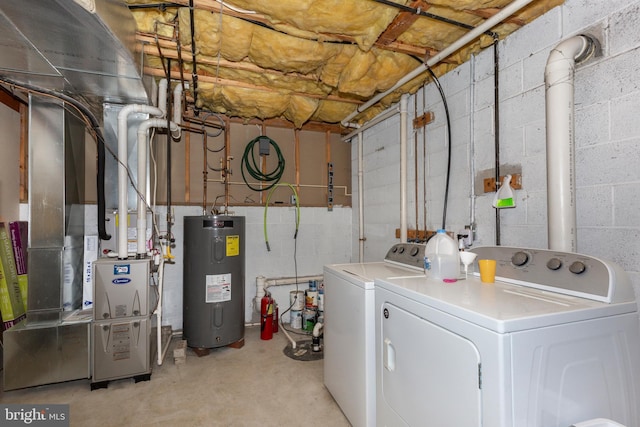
[330,186]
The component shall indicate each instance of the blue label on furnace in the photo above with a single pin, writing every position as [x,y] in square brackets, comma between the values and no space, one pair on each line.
[121,269]
[121,281]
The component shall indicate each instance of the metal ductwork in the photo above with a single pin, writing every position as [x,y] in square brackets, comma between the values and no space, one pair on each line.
[83,48]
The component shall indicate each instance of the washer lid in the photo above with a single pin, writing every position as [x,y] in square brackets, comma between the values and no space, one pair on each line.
[502,307]
[364,274]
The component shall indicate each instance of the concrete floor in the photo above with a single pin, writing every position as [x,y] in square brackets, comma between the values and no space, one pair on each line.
[256,385]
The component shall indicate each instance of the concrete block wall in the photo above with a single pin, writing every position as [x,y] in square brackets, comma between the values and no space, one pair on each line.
[607,99]
[323,238]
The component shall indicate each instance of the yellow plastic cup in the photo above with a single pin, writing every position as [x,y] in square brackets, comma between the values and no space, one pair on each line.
[487,270]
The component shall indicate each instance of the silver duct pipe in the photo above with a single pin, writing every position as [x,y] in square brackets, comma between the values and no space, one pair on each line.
[561,197]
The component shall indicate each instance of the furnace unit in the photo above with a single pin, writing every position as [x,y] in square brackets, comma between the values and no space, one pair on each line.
[213,281]
[121,340]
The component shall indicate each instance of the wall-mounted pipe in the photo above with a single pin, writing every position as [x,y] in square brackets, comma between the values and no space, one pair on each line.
[162,95]
[141,224]
[403,167]
[123,169]
[561,198]
[503,14]
[361,237]
[177,110]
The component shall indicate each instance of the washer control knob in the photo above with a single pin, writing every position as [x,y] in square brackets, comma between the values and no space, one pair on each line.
[520,258]
[577,267]
[554,264]
[401,250]
[414,251]
[394,249]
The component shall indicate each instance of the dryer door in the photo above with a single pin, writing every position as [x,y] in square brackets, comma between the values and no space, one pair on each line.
[430,376]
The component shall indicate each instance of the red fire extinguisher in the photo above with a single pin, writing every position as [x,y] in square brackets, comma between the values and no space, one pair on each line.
[266,317]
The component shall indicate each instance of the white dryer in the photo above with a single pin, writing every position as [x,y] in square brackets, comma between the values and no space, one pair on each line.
[349,327]
[555,341]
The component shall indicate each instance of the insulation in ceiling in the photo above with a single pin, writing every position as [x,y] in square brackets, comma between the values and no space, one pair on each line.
[308,60]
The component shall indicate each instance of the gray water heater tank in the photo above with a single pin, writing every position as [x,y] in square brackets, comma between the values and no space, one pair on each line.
[213,280]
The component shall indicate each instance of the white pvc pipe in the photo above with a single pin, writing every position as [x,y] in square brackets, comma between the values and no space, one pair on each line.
[260,280]
[161,351]
[122,169]
[360,198]
[374,121]
[162,96]
[561,198]
[290,280]
[177,110]
[403,167]
[487,25]
[142,180]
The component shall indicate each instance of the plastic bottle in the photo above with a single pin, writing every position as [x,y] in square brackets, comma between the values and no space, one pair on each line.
[444,260]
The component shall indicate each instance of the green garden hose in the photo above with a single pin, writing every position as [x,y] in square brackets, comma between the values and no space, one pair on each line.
[252,165]
[266,206]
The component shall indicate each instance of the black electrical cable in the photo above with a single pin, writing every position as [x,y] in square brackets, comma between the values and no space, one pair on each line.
[93,122]
[439,18]
[446,111]
[194,64]
[252,166]
[170,240]
[496,126]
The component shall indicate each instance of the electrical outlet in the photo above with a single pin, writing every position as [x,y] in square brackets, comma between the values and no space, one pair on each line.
[293,199]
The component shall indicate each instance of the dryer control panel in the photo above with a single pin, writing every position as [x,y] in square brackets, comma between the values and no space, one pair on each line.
[561,272]
[406,254]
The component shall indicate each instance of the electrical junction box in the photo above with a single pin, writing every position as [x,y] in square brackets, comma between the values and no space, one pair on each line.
[264,143]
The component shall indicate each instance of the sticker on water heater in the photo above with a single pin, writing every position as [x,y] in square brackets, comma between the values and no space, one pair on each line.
[233,245]
[218,287]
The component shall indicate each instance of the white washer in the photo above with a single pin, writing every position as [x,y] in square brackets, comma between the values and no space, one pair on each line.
[555,341]
[349,338]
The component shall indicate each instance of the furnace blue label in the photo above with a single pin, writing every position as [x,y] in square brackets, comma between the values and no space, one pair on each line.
[121,269]
[121,281]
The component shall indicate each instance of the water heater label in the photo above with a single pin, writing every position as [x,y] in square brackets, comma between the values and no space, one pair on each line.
[218,288]
[233,245]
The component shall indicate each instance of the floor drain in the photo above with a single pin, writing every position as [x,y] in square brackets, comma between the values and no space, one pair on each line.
[303,351]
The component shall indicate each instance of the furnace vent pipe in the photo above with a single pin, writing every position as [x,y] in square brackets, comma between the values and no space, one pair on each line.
[503,14]
[561,180]
[141,224]
[123,169]
[162,95]
[177,110]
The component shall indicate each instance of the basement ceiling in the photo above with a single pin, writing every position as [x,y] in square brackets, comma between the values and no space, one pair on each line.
[308,62]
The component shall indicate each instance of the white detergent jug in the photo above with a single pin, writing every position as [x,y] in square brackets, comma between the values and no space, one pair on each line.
[443,259]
